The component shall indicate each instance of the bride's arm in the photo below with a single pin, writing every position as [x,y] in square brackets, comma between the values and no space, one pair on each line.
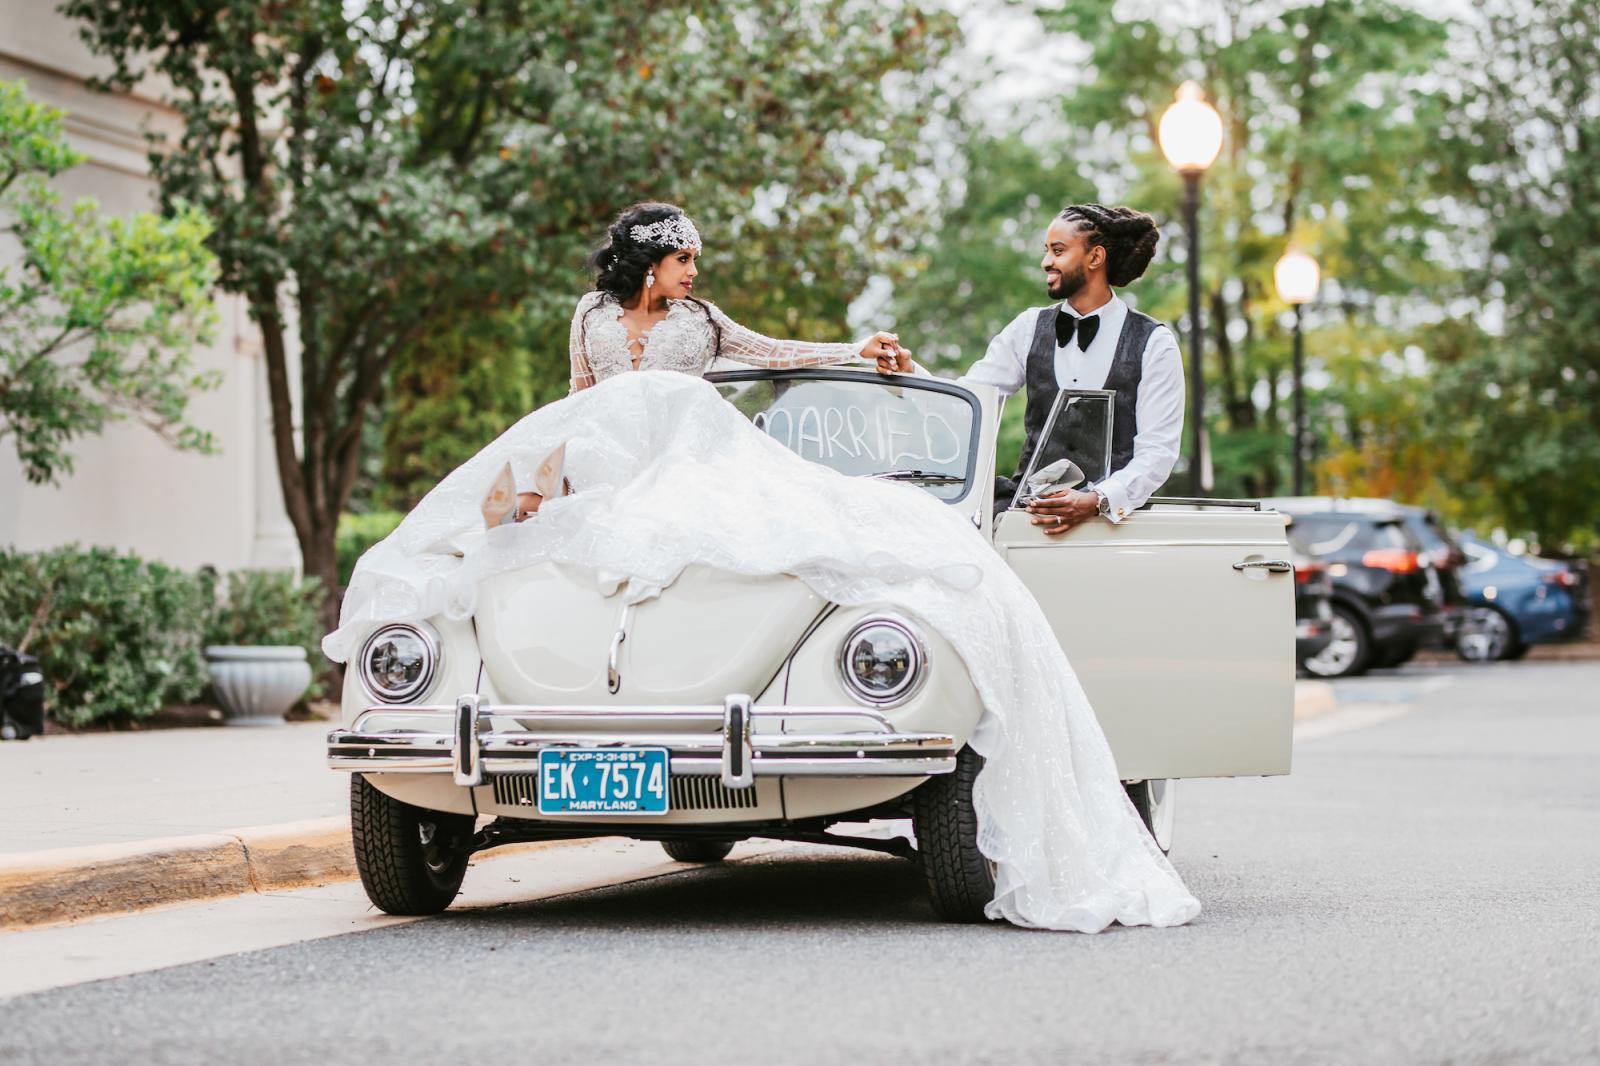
[582,375]
[745,345]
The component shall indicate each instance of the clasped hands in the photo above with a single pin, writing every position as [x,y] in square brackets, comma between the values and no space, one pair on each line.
[1059,512]
[884,349]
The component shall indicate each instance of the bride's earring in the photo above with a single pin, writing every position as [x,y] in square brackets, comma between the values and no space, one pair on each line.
[650,279]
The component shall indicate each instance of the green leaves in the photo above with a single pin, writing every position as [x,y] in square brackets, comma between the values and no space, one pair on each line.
[392,169]
[97,315]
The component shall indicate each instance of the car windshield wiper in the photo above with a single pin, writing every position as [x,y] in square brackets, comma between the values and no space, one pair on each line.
[929,476]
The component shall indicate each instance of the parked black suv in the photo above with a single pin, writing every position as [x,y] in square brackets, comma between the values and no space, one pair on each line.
[1386,591]
[1313,603]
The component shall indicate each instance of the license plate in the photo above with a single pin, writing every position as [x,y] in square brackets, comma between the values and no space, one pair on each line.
[603,781]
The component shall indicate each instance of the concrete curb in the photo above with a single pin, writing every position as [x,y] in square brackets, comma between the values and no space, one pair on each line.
[68,884]
[65,884]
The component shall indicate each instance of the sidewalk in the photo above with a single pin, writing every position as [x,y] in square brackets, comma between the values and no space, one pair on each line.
[113,822]
[111,788]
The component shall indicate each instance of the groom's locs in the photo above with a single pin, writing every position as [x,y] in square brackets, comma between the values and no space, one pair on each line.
[1092,340]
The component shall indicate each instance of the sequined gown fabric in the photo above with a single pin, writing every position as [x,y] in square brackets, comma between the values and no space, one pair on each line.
[669,475]
[683,341]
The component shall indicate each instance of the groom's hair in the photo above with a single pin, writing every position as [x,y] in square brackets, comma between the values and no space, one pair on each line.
[1128,236]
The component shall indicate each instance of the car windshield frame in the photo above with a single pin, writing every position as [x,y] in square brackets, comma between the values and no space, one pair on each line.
[911,381]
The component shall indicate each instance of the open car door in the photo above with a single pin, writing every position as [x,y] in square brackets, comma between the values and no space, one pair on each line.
[1179,620]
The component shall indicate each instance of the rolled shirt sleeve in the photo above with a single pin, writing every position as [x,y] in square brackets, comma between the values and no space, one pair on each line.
[1159,410]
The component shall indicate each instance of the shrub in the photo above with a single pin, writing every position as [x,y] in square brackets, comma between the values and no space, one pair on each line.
[357,533]
[271,607]
[117,638]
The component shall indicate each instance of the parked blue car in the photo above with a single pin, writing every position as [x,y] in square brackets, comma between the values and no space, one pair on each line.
[1514,601]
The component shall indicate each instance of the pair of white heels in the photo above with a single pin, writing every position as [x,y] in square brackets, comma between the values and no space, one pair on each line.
[505,506]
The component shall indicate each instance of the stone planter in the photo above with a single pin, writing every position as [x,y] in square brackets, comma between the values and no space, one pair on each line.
[256,685]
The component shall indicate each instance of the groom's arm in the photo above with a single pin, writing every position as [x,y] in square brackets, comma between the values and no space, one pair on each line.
[1004,364]
[1158,410]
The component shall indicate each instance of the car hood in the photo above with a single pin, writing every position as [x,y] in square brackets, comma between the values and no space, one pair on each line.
[546,635]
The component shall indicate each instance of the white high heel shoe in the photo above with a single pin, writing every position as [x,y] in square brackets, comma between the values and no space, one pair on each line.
[505,505]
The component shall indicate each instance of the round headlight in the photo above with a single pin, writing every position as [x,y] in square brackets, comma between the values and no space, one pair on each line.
[398,662]
[882,661]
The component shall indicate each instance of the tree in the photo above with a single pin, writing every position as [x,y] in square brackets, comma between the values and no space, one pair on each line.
[1331,121]
[1525,132]
[378,170]
[97,315]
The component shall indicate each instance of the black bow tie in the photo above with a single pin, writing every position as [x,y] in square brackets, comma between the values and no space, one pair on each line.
[1083,328]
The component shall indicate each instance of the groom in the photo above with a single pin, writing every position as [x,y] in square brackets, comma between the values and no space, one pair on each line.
[1092,340]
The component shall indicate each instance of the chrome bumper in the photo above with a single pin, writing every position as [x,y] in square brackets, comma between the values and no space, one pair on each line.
[701,740]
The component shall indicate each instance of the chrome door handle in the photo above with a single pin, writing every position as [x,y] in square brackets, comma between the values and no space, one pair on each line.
[613,675]
[1271,566]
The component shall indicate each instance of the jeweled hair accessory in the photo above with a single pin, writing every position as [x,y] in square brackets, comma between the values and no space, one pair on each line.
[675,232]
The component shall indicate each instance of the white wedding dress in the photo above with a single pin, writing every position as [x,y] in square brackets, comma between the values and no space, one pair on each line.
[668,474]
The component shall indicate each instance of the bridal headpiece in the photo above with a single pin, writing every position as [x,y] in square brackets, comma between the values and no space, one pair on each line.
[675,232]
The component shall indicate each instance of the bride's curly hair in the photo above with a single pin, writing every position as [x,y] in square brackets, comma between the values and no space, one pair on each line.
[621,263]
[1128,236]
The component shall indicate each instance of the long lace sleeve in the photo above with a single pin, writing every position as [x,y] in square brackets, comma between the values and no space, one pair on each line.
[747,346]
[582,373]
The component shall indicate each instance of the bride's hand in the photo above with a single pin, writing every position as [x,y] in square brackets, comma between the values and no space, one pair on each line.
[884,349]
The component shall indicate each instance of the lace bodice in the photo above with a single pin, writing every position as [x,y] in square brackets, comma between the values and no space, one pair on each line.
[683,341]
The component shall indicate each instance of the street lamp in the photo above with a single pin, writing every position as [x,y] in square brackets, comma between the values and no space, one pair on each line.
[1297,277]
[1191,136]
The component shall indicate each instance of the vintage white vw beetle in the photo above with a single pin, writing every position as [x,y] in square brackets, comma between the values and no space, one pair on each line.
[733,707]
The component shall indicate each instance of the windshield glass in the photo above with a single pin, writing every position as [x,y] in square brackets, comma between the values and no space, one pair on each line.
[921,434]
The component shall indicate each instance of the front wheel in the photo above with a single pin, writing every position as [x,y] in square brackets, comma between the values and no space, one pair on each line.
[960,878]
[411,860]
[1157,804]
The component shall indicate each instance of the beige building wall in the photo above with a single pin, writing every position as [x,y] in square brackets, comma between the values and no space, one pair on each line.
[131,490]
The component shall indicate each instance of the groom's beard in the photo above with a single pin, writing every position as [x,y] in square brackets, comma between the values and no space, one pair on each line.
[1067,285]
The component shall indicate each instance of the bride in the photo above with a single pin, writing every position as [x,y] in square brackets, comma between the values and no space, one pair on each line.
[643,314]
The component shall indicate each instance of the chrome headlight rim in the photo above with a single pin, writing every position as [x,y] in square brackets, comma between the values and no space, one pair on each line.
[431,659]
[916,676]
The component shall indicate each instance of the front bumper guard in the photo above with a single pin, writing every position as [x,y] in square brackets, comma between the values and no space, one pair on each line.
[701,740]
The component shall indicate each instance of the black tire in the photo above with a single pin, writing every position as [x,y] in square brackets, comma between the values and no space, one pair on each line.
[411,860]
[960,878]
[1394,655]
[697,850]
[1350,653]
[1515,652]
[1139,794]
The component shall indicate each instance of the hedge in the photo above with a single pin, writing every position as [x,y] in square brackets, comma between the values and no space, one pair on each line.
[118,638]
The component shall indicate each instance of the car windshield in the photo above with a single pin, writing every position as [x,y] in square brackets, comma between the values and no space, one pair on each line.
[921,431]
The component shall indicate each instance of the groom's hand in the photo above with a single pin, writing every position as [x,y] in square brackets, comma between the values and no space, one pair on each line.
[1060,512]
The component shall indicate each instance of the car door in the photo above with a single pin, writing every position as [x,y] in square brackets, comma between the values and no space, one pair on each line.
[1179,622]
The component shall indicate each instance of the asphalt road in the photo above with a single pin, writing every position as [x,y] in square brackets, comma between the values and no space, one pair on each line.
[1423,889]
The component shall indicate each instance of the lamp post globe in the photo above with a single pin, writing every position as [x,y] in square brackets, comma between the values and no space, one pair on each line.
[1190,134]
[1298,277]
[1190,131]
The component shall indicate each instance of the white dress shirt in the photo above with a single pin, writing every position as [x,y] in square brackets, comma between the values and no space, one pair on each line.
[1158,407]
